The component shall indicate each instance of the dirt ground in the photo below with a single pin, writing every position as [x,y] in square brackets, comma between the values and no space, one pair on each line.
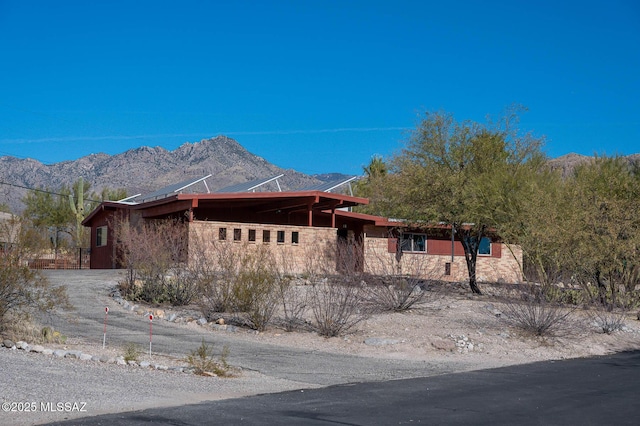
[452,326]
[455,325]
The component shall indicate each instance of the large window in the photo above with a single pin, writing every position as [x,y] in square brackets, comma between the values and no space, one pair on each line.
[101,236]
[413,242]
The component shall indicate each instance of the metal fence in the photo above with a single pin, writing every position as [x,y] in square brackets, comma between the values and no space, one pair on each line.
[68,259]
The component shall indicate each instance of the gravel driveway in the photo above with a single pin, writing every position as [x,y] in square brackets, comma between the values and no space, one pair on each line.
[38,379]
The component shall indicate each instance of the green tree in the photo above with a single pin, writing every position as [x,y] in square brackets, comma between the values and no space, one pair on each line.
[109,194]
[464,174]
[60,211]
[49,210]
[605,231]
[365,187]
[540,224]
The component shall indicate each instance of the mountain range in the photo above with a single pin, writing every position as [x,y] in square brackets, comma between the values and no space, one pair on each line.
[144,170]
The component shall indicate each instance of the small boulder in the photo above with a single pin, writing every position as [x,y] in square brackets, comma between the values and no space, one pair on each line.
[59,353]
[36,348]
[379,341]
[106,359]
[444,345]
[8,343]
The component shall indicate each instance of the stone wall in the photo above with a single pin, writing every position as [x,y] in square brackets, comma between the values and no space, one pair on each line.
[315,249]
[313,244]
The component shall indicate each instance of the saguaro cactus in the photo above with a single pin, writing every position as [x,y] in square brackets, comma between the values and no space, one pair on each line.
[78,209]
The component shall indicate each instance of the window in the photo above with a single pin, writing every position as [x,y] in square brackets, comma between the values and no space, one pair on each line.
[413,242]
[447,268]
[485,247]
[295,237]
[252,235]
[266,236]
[280,237]
[222,234]
[237,234]
[101,236]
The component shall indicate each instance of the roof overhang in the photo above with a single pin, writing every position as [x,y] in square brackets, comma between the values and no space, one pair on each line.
[261,201]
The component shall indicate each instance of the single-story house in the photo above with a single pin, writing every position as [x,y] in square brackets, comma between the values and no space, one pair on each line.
[301,224]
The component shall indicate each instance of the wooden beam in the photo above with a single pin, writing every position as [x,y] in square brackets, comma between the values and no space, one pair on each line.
[167,209]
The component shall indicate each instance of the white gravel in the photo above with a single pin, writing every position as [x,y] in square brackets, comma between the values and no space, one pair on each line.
[40,381]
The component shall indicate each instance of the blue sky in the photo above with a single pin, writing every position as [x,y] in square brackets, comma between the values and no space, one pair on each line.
[318,86]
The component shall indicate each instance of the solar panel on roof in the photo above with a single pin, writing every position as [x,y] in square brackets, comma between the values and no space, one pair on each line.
[329,186]
[171,189]
[251,185]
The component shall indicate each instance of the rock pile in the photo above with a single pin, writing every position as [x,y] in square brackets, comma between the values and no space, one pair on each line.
[189,317]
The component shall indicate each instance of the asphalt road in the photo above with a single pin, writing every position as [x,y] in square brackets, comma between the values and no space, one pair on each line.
[594,391]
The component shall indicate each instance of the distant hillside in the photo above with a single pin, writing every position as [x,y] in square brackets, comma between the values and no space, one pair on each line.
[145,169]
[567,163]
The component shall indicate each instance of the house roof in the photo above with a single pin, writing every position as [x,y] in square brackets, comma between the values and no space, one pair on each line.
[265,201]
[373,220]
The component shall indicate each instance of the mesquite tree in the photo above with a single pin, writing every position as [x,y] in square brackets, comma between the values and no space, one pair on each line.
[464,174]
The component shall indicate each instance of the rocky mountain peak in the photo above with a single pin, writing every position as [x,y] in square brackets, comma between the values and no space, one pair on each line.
[146,169]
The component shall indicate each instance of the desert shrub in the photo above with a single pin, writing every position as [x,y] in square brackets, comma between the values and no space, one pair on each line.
[534,314]
[154,255]
[203,361]
[49,335]
[236,279]
[336,300]
[394,293]
[570,296]
[609,309]
[22,290]
[337,307]
[255,289]
[608,320]
[294,301]
[131,352]
[215,268]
